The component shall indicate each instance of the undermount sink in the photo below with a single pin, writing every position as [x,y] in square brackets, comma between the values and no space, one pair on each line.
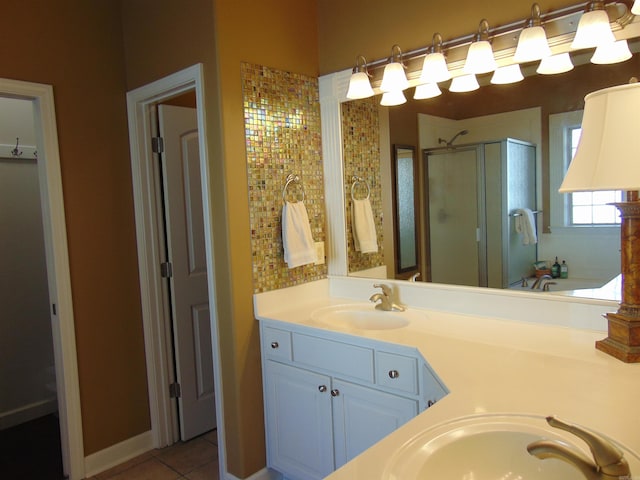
[487,447]
[364,316]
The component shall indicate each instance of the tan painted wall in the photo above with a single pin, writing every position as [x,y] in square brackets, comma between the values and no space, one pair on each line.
[76,47]
[280,34]
[372,27]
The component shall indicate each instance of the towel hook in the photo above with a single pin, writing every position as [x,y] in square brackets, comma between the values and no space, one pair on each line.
[356,181]
[292,178]
[16,152]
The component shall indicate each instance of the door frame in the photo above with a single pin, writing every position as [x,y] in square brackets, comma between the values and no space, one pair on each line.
[58,273]
[148,230]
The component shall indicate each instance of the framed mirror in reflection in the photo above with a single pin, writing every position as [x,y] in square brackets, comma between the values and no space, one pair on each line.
[405,208]
[592,252]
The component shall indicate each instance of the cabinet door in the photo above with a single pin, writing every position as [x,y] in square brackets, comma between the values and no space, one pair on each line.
[298,422]
[362,416]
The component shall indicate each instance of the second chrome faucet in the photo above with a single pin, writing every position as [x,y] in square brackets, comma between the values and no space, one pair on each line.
[386,299]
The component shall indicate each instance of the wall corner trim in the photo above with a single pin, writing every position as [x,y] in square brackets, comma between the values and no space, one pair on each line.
[118,453]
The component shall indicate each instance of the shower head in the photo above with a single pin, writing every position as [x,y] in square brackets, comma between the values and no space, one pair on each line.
[461,132]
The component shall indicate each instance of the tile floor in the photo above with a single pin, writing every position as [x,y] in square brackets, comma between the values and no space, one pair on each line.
[196,459]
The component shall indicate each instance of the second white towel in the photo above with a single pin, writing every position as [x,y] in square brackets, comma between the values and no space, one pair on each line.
[299,247]
[525,224]
[363,226]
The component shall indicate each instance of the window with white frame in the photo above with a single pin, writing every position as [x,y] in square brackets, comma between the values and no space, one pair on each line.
[589,208]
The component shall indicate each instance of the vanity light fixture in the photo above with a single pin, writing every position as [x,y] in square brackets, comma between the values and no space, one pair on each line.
[434,68]
[614,52]
[532,43]
[392,98]
[464,83]
[359,84]
[593,28]
[607,159]
[394,78]
[559,63]
[507,74]
[480,55]
[426,90]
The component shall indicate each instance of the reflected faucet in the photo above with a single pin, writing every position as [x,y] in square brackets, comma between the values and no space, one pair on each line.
[608,461]
[538,283]
[386,300]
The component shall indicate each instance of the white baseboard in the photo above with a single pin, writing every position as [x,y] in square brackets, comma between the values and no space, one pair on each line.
[264,474]
[28,412]
[118,453]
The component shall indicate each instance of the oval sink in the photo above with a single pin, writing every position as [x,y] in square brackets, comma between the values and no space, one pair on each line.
[363,316]
[486,448]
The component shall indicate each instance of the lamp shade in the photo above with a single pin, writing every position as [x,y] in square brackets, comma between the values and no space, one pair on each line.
[532,45]
[434,69]
[507,74]
[394,77]
[593,30]
[426,90]
[636,8]
[612,52]
[464,83]
[608,153]
[395,97]
[559,63]
[359,86]
[479,58]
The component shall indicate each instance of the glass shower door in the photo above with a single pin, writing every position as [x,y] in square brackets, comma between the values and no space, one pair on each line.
[453,195]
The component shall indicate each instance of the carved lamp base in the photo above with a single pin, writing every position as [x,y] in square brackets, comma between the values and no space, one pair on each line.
[623,341]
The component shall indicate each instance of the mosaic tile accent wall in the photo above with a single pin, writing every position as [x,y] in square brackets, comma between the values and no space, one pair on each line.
[282,129]
[361,153]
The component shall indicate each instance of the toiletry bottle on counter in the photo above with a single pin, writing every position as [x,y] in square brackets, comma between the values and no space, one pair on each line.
[564,270]
[555,269]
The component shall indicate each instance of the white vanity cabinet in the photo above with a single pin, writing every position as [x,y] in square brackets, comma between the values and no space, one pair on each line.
[329,397]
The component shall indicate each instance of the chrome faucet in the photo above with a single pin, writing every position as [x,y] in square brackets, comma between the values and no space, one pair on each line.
[386,300]
[414,277]
[537,283]
[608,461]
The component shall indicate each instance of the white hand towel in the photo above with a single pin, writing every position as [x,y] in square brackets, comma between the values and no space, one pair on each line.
[525,224]
[363,226]
[299,247]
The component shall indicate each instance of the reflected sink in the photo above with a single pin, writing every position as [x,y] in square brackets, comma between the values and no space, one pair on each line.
[487,447]
[364,316]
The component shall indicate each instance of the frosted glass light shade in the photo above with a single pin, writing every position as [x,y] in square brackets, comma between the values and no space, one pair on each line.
[608,53]
[434,69]
[559,63]
[593,30]
[359,86]
[479,58]
[507,74]
[394,78]
[426,90]
[636,8]
[464,83]
[396,97]
[608,154]
[532,45]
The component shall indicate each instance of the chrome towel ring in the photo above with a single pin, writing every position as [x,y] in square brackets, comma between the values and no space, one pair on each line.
[357,181]
[292,178]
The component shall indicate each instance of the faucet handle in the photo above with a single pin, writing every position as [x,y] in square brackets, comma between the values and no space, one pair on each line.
[606,455]
[386,289]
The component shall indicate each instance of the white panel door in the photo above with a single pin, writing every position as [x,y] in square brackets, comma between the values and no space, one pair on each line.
[362,416]
[186,252]
[298,421]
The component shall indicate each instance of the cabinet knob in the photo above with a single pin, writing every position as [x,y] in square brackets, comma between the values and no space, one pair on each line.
[394,374]
[322,388]
[335,392]
[274,345]
[430,403]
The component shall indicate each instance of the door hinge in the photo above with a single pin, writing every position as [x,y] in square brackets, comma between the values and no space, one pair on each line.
[157,144]
[174,390]
[166,270]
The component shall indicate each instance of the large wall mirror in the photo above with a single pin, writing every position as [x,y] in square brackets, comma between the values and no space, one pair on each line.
[534,111]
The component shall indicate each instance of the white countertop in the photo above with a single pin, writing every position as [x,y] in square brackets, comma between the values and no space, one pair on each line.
[490,365]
